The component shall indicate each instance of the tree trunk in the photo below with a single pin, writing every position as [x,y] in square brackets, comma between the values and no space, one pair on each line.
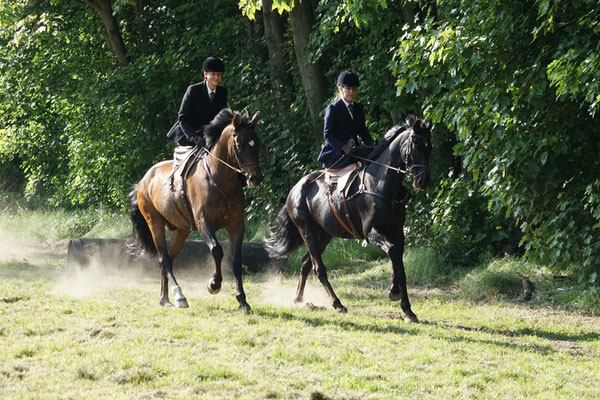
[313,80]
[274,30]
[113,35]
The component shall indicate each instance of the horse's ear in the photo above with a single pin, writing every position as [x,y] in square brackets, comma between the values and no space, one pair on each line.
[237,120]
[255,119]
[417,124]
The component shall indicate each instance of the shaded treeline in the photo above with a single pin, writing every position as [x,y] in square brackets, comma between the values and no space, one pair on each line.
[89,89]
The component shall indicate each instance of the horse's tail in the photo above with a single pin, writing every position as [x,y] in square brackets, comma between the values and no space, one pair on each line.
[284,238]
[141,230]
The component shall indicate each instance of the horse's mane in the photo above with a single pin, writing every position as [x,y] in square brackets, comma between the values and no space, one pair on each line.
[409,120]
[213,130]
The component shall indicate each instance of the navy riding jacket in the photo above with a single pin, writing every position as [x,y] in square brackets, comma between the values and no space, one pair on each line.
[339,128]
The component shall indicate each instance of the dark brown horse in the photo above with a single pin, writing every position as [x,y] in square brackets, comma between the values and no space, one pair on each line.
[375,206]
[216,201]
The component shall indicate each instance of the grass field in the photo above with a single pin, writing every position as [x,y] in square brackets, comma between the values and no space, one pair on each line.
[99,333]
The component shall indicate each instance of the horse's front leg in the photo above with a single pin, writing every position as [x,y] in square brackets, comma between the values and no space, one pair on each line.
[236,235]
[395,251]
[208,234]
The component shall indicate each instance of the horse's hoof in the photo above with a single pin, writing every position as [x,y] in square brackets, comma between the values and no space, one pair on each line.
[213,288]
[244,309]
[166,303]
[299,300]
[182,303]
[411,319]
[340,308]
[393,296]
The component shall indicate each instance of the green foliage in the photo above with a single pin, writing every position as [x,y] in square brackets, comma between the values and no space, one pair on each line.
[500,84]
[464,227]
[512,88]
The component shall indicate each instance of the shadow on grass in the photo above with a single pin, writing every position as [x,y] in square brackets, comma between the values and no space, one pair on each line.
[316,321]
[550,335]
[507,338]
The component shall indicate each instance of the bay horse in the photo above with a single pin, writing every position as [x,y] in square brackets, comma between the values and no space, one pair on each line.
[375,208]
[216,201]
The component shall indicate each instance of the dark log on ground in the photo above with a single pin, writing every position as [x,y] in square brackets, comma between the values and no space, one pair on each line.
[115,253]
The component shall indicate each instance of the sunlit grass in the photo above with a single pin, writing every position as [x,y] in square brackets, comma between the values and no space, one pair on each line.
[117,343]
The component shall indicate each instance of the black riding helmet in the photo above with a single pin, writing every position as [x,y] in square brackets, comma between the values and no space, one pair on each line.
[213,64]
[348,78]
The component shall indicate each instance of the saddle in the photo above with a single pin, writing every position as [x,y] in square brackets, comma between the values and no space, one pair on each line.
[184,157]
[341,178]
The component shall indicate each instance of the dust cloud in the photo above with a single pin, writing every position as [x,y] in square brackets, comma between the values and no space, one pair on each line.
[14,248]
[109,265]
[281,292]
[83,281]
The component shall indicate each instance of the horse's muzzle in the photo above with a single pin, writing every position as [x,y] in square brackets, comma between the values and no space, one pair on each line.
[255,178]
[421,181]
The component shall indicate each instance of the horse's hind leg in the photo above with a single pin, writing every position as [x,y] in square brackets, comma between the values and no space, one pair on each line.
[398,289]
[236,235]
[157,224]
[316,244]
[178,237]
[305,270]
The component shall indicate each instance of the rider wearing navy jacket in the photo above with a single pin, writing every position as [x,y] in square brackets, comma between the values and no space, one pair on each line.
[344,124]
[201,103]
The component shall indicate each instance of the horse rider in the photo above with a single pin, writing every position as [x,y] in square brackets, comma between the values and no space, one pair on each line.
[344,124]
[201,103]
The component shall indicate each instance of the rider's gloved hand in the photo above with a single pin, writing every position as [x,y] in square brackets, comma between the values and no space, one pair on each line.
[347,149]
[198,141]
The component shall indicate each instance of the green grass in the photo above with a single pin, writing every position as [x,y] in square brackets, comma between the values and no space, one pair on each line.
[99,333]
[115,342]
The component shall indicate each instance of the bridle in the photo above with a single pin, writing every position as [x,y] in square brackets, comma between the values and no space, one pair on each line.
[241,168]
[407,144]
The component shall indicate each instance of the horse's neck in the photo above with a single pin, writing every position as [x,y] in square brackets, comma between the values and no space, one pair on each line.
[381,179]
[219,155]
[221,148]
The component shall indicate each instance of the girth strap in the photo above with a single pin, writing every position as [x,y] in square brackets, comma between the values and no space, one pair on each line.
[185,201]
[351,230]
